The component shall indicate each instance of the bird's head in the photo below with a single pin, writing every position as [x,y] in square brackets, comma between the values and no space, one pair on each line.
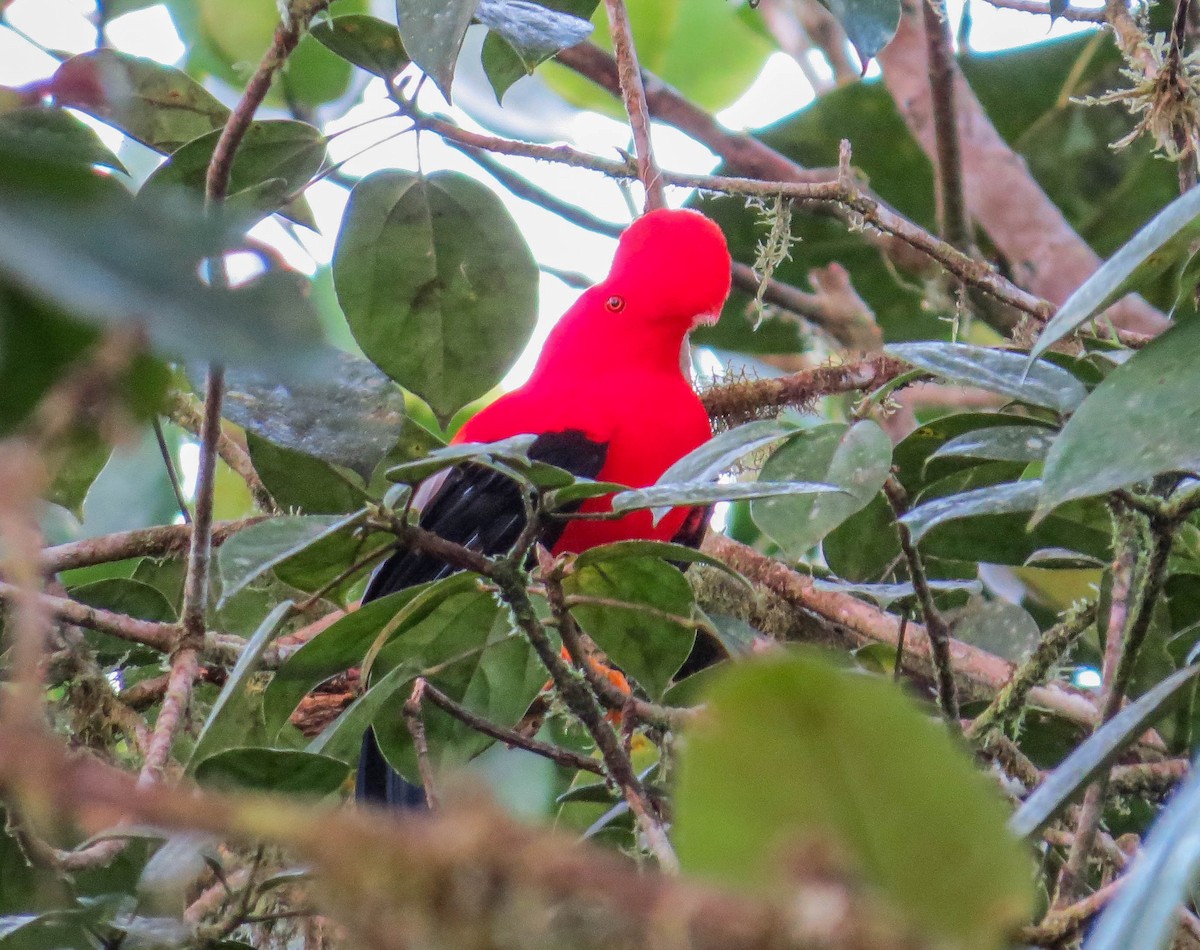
[671,265]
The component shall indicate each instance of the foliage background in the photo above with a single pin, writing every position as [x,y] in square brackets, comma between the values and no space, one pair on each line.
[1011,539]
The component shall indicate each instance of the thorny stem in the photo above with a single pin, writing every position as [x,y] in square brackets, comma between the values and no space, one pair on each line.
[1045,8]
[936,627]
[634,96]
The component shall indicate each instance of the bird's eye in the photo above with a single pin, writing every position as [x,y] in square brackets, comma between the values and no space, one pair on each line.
[615,304]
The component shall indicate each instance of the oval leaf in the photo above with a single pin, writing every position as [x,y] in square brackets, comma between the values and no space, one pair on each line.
[869,24]
[994,500]
[1141,421]
[856,458]
[1104,286]
[649,647]
[794,755]
[283,771]
[662,498]
[437,283]
[1082,765]
[255,550]
[365,41]
[1000,444]
[534,32]
[998,371]
[432,31]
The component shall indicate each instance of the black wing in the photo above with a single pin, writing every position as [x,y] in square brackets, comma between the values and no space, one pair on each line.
[480,509]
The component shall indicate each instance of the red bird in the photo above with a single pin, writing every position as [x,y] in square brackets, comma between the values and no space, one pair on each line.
[607,400]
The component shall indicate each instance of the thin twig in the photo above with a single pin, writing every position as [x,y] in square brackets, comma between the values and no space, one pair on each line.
[1045,8]
[172,474]
[953,221]
[568,758]
[936,627]
[416,728]
[187,413]
[634,97]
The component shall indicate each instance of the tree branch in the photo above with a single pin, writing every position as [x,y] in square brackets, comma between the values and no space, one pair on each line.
[634,97]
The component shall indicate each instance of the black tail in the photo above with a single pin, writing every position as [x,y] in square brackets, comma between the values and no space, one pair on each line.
[379,782]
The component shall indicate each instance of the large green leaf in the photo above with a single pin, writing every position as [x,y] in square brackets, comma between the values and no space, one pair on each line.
[1164,240]
[465,646]
[282,771]
[999,371]
[855,458]
[1085,762]
[794,755]
[438,285]
[869,24]
[57,134]
[366,41]
[679,41]
[432,31]
[158,105]
[338,647]
[350,418]
[274,162]
[132,491]
[663,497]
[255,550]
[80,241]
[233,715]
[1144,419]
[648,646]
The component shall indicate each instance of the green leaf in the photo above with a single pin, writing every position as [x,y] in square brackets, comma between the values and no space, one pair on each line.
[1173,227]
[338,647]
[57,134]
[998,371]
[887,594]
[854,458]
[676,553]
[719,453]
[282,771]
[1095,753]
[1141,421]
[432,31]
[679,41]
[1003,629]
[78,240]
[664,497]
[255,550]
[365,41]
[1018,443]
[511,450]
[158,105]
[465,646]
[124,596]
[231,715]
[993,500]
[351,417]
[869,24]
[534,32]
[649,647]
[274,162]
[795,755]
[132,491]
[302,483]
[437,283]
[1145,912]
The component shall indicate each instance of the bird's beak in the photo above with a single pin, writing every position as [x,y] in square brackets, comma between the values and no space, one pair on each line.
[707,319]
